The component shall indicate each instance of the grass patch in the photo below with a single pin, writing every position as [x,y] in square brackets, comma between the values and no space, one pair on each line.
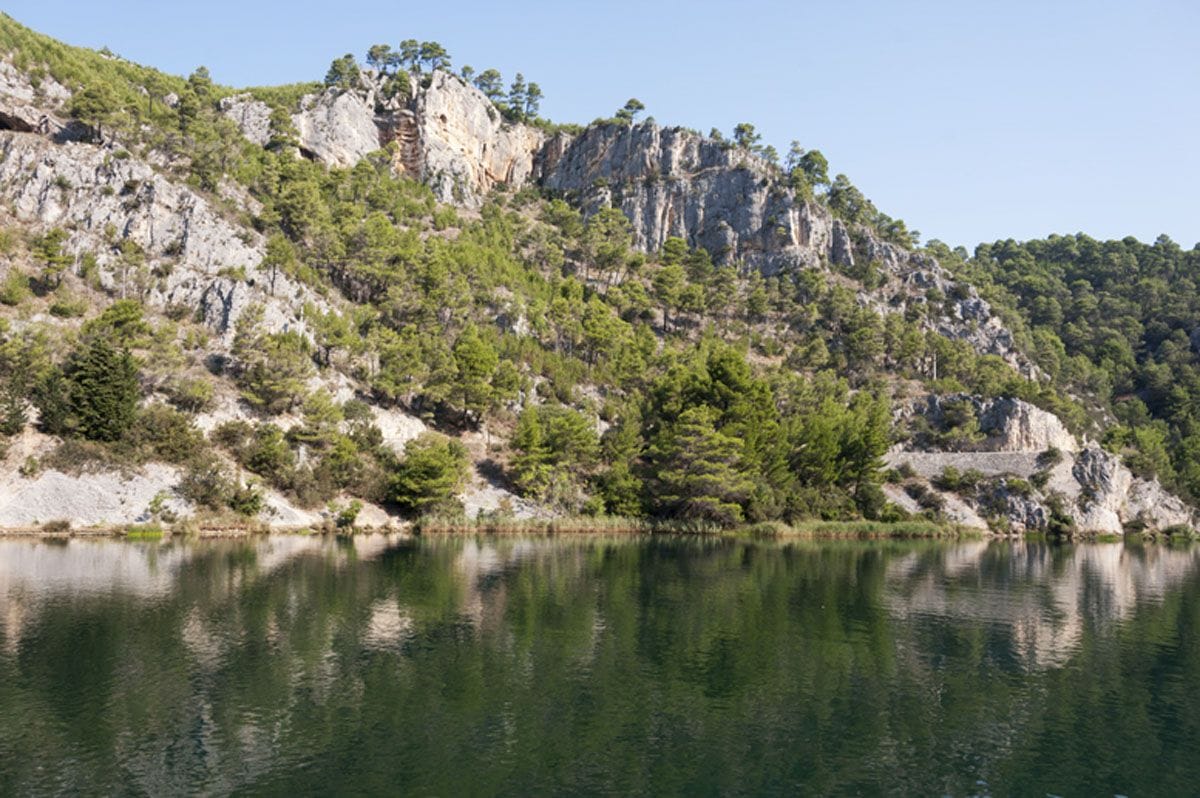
[902,530]
[59,526]
[144,532]
[610,525]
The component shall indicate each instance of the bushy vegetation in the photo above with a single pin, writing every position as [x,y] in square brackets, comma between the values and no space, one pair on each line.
[605,381]
[1113,321]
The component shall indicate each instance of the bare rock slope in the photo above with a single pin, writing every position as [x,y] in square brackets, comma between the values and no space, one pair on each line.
[1029,469]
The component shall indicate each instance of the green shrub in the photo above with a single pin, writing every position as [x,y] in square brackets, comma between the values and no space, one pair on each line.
[14,289]
[949,479]
[1018,486]
[163,433]
[433,468]
[190,394]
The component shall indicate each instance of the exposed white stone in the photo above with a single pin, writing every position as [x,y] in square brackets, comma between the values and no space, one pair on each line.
[337,127]
[253,117]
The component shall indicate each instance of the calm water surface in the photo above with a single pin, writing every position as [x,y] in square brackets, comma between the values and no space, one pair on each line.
[481,666]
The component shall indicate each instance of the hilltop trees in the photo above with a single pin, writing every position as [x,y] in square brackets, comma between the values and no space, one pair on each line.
[381,58]
[746,137]
[491,84]
[630,111]
[521,102]
[343,73]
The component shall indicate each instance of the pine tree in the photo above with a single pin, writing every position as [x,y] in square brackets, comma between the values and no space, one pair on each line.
[699,471]
[49,250]
[95,106]
[433,468]
[343,73]
[476,361]
[103,390]
[531,465]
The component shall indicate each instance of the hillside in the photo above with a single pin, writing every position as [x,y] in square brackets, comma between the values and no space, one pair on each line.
[400,292]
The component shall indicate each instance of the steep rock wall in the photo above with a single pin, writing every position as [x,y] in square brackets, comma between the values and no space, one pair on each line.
[102,199]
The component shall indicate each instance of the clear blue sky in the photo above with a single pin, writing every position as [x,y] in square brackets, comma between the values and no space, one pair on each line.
[970,120]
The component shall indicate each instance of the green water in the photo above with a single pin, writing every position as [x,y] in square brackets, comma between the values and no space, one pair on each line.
[478,666]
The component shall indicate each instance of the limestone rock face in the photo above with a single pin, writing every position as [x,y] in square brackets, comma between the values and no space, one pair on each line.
[337,127]
[1010,425]
[253,117]
[87,188]
[1088,485]
[24,107]
[1014,425]
[97,196]
[466,146]
[673,182]
[667,181]
[1111,487]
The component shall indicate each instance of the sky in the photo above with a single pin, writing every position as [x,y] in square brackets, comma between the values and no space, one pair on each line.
[972,120]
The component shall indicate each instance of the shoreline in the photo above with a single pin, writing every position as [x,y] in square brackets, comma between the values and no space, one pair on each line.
[452,527]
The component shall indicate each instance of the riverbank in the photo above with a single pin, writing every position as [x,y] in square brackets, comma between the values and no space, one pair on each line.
[494,526]
[225,528]
[586,525]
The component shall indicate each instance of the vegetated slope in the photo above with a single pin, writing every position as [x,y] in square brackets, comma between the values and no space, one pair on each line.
[404,288]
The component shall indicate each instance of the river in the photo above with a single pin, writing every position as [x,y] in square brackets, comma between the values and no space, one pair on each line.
[590,665]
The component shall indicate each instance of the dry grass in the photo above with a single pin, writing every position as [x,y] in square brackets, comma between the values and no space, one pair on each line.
[607,525]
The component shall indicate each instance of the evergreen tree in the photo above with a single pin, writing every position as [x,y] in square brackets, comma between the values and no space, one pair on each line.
[476,362]
[491,83]
[517,92]
[103,389]
[433,469]
[532,463]
[48,249]
[410,55]
[343,73]
[95,106]
[698,474]
[746,137]
[434,55]
[380,57]
[630,111]
[533,101]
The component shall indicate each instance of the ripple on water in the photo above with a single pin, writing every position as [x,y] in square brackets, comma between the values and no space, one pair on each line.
[536,665]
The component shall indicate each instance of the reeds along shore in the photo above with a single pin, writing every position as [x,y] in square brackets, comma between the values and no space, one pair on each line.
[582,525]
[608,525]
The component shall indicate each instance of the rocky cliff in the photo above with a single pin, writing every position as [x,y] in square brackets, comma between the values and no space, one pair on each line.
[103,196]
[1023,470]
[667,181]
[200,254]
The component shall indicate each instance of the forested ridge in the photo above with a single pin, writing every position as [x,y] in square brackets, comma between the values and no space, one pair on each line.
[607,381]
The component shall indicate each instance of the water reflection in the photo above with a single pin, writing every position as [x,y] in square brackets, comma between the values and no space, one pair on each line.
[584,665]
[1042,595]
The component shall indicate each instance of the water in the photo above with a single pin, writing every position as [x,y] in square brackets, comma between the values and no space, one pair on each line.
[481,666]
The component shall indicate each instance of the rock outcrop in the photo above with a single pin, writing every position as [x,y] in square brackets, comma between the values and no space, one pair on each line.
[466,146]
[253,117]
[668,181]
[1030,470]
[337,127]
[26,108]
[1006,424]
[103,196]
